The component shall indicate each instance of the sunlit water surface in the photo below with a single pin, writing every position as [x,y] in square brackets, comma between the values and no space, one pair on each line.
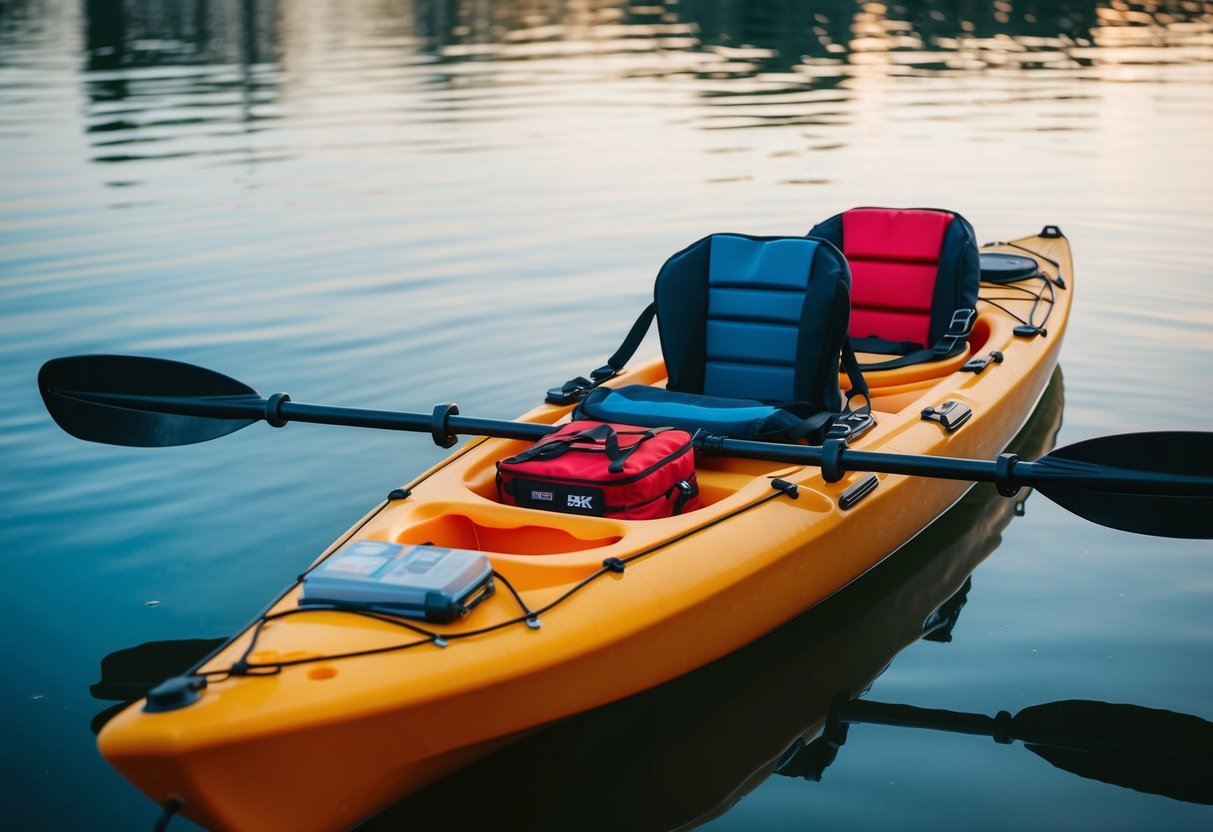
[394,204]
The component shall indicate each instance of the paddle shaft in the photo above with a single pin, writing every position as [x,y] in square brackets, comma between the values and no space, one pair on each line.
[1008,472]
[278,409]
[442,420]
[833,457]
[1156,483]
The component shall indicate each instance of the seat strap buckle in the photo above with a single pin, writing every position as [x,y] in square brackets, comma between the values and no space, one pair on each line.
[575,389]
[958,330]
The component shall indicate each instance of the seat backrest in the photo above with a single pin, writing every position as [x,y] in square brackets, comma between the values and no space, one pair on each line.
[912,269]
[755,318]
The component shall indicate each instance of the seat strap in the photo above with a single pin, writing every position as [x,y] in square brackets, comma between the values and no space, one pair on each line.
[951,343]
[575,389]
[859,387]
[818,421]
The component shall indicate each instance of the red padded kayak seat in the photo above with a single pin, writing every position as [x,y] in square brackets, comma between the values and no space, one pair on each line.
[894,256]
[912,271]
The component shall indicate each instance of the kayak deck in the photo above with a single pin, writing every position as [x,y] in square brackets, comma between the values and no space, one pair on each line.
[588,610]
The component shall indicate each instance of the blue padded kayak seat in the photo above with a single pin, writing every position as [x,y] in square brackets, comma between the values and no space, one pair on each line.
[759,318]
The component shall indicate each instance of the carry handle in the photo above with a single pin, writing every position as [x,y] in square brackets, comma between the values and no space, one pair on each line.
[599,433]
[610,444]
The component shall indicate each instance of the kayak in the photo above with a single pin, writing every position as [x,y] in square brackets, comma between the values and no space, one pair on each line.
[317,718]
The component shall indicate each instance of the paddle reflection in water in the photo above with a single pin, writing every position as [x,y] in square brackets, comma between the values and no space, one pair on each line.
[1146,749]
[128,674]
[692,748]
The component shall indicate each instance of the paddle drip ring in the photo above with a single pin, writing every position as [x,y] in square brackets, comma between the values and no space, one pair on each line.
[831,458]
[273,416]
[443,437]
[1003,469]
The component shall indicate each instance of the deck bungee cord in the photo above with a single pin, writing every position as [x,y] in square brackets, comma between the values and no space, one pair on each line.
[1010,282]
[532,618]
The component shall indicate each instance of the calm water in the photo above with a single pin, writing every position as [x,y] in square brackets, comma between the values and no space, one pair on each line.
[393,204]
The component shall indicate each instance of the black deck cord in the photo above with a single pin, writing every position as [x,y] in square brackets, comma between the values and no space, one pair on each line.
[169,809]
[1059,280]
[242,667]
[1040,274]
[223,674]
[220,675]
[1039,298]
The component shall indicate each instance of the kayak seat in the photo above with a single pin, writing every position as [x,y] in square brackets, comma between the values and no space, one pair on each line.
[752,329]
[915,275]
[754,318]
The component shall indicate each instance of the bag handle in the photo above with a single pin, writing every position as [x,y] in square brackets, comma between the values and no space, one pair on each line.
[602,432]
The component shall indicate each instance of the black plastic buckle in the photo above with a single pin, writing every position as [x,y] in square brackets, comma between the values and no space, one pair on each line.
[604,373]
[571,391]
[976,365]
[958,329]
[855,424]
[575,389]
[950,414]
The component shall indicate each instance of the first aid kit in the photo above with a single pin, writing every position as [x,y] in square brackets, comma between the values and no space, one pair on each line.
[604,470]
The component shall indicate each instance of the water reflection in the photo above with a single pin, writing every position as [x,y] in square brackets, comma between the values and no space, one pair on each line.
[163,72]
[121,34]
[732,37]
[1144,749]
[170,79]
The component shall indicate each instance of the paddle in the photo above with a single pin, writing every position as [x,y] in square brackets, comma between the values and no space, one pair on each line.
[1146,749]
[1149,483]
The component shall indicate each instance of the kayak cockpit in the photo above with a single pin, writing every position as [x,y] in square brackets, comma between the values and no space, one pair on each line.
[459,504]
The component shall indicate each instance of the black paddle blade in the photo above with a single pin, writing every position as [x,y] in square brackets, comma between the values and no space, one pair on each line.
[1160,457]
[1148,750]
[143,402]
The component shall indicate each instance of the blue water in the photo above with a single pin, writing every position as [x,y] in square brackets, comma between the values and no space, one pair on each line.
[398,204]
